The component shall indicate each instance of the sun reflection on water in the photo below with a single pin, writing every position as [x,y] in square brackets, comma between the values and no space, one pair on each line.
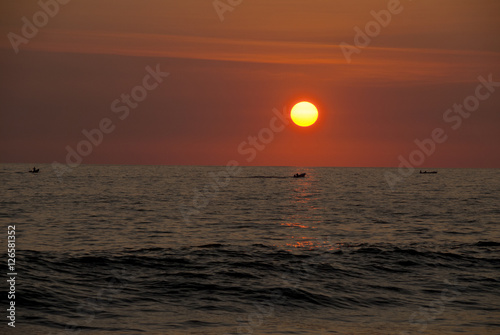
[305,218]
[297,225]
[308,243]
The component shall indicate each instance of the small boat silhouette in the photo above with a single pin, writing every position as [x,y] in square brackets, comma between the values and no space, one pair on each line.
[425,172]
[299,175]
[34,170]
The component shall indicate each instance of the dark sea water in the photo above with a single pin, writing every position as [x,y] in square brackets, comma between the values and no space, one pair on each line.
[167,250]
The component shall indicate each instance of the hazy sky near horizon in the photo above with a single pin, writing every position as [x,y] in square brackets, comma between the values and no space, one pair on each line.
[226,77]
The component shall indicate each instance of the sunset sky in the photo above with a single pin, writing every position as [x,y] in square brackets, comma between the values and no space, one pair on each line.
[226,77]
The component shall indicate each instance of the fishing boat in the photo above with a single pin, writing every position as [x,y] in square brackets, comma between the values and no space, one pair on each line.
[299,175]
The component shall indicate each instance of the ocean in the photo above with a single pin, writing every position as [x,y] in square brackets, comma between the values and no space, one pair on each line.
[189,250]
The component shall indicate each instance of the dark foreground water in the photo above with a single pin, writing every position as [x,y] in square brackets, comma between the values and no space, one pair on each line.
[165,250]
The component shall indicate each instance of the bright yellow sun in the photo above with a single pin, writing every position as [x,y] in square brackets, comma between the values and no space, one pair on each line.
[304,114]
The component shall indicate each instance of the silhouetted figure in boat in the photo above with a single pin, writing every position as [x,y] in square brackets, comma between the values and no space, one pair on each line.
[301,175]
[35,170]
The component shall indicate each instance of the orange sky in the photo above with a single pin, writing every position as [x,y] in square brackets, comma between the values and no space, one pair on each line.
[226,77]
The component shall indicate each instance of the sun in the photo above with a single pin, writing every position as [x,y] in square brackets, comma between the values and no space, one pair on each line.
[304,114]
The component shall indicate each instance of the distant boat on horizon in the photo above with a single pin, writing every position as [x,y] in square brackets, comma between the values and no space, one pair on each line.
[428,172]
[299,175]
[34,170]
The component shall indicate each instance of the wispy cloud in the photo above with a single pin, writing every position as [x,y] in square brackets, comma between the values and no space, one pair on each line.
[402,64]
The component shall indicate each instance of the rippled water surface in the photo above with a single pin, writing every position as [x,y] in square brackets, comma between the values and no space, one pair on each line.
[182,250]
